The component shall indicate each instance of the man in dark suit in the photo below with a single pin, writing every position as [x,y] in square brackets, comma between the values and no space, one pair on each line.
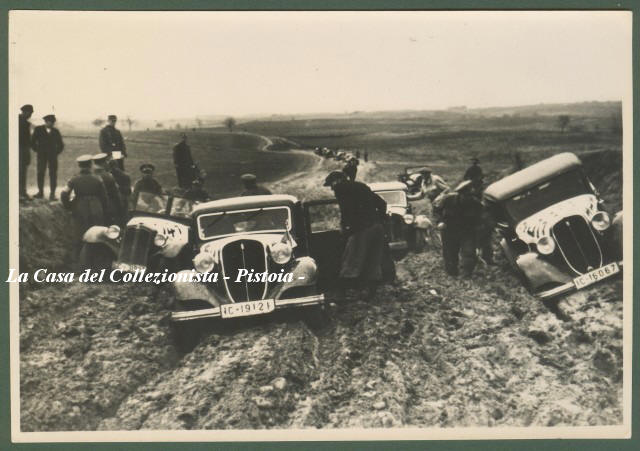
[183,162]
[47,142]
[113,214]
[24,145]
[111,140]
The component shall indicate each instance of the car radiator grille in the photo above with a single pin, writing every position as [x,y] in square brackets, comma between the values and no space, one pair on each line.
[578,244]
[249,255]
[135,246]
[394,228]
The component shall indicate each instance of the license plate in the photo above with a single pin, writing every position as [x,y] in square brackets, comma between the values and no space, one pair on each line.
[247,308]
[596,275]
[128,267]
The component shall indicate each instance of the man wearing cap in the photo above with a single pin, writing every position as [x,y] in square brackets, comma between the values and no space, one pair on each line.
[111,140]
[362,215]
[147,183]
[124,185]
[113,214]
[459,215]
[47,142]
[24,145]
[251,188]
[90,201]
[196,193]
[183,162]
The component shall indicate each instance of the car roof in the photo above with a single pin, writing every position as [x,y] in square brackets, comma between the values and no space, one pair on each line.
[531,176]
[245,202]
[387,186]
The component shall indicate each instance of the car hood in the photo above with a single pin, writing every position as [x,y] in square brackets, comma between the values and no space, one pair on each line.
[176,233]
[539,224]
[214,247]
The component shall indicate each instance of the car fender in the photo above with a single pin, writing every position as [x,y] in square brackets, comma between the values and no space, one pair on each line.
[617,234]
[304,273]
[98,235]
[540,272]
[188,291]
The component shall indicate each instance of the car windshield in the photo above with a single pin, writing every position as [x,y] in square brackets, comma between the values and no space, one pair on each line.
[539,197]
[151,203]
[269,219]
[393,198]
[181,208]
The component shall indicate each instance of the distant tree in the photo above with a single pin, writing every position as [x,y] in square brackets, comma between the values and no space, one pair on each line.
[98,122]
[159,125]
[563,121]
[129,122]
[178,126]
[230,123]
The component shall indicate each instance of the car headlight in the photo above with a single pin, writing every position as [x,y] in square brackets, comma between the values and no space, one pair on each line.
[601,221]
[160,240]
[546,245]
[408,219]
[203,262]
[113,232]
[280,252]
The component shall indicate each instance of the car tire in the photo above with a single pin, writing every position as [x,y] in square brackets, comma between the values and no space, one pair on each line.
[317,317]
[510,255]
[186,335]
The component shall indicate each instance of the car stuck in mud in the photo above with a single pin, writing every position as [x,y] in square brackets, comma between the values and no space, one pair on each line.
[156,237]
[555,231]
[258,247]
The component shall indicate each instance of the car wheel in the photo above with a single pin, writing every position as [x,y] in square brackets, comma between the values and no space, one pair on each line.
[511,256]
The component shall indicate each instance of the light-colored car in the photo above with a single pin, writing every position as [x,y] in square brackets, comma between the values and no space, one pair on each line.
[556,232]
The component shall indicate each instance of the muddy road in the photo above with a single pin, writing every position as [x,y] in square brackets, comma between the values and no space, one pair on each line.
[429,351]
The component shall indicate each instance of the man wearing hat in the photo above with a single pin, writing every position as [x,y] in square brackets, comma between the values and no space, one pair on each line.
[24,146]
[113,214]
[90,201]
[124,185]
[362,216]
[111,140]
[251,188]
[183,162]
[47,142]
[459,214]
[196,193]
[474,173]
[147,183]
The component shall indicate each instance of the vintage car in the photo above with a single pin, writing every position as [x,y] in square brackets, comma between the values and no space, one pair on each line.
[155,237]
[555,230]
[404,229]
[251,243]
[415,180]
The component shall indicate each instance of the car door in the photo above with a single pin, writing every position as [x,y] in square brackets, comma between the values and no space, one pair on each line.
[324,240]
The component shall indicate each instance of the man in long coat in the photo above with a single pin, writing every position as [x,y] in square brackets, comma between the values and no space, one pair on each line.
[124,184]
[113,215]
[183,162]
[24,145]
[47,142]
[111,140]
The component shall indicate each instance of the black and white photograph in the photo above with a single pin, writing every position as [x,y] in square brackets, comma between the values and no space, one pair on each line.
[320,225]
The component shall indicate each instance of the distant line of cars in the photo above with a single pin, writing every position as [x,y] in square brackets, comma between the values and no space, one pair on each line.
[554,231]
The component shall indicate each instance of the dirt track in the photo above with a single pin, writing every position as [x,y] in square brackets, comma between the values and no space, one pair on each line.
[430,351]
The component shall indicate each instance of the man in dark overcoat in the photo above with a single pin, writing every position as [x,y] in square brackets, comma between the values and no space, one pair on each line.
[47,143]
[24,146]
[111,140]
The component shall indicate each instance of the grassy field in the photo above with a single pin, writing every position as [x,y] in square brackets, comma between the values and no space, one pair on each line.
[224,156]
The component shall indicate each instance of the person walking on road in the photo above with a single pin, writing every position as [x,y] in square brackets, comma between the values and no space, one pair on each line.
[47,143]
[459,216]
[24,146]
[111,141]
[362,217]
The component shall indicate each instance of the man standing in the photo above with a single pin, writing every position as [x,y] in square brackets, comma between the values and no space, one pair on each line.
[182,160]
[459,215]
[47,142]
[147,183]
[351,169]
[124,185]
[251,188]
[90,201]
[24,145]
[113,214]
[362,215]
[474,173]
[111,140]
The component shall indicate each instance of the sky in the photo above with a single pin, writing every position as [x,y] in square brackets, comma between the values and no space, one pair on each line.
[163,65]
